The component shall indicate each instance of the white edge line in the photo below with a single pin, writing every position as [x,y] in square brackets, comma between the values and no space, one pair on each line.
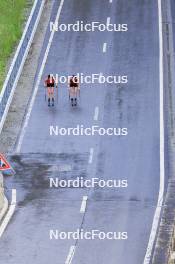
[91,155]
[83,204]
[156,219]
[104,47]
[9,213]
[70,255]
[21,65]
[38,82]
[96,113]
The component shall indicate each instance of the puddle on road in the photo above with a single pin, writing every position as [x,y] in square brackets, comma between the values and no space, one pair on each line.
[33,172]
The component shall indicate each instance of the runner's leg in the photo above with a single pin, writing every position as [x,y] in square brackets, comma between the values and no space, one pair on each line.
[49,101]
[52,101]
[75,101]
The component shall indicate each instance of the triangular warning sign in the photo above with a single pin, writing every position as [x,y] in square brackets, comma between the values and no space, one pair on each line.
[4,165]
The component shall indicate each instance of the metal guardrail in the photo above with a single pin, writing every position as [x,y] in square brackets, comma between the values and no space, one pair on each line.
[19,60]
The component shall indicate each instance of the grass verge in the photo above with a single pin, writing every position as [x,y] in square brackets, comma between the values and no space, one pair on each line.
[12,16]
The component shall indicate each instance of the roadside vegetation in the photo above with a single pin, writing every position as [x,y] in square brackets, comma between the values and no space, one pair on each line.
[12,16]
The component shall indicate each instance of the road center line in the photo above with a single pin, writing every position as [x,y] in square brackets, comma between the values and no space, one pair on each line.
[70,255]
[157,214]
[108,20]
[83,204]
[104,47]
[38,81]
[96,113]
[9,213]
[91,154]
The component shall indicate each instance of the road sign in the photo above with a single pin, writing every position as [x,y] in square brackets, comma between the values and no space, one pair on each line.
[4,165]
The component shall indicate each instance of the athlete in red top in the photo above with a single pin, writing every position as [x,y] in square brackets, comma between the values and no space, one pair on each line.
[74,89]
[50,85]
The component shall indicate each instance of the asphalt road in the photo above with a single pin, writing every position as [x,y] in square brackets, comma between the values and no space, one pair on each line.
[173,16]
[134,157]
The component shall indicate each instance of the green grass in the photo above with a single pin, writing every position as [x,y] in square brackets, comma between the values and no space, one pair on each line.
[12,17]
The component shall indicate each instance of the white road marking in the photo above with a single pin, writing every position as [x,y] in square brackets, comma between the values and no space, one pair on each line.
[108,20]
[4,209]
[156,219]
[110,1]
[70,255]
[9,213]
[83,204]
[91,155]
[104,47]
[96,113]
[38,81]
